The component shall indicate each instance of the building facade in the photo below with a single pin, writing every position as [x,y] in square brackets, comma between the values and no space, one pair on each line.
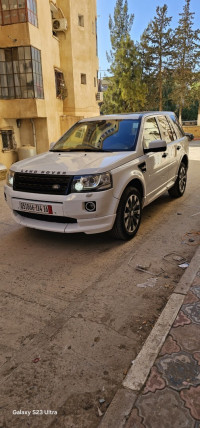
[48,71]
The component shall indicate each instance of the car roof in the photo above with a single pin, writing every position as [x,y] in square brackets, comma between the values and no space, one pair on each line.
[126,116]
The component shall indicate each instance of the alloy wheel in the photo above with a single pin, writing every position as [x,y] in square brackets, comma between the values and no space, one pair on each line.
[182,179]
[132,213]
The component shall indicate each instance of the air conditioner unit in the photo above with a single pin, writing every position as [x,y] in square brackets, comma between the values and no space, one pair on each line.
[59,24]
[99,96]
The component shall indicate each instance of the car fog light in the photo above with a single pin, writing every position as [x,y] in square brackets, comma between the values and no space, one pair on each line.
[90,206]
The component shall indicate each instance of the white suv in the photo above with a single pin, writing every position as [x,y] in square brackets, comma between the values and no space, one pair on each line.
[100,173]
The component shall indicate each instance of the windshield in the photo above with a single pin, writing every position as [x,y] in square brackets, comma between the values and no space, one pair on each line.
[100,135]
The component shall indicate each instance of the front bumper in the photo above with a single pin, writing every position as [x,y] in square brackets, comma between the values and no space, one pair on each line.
[70,206]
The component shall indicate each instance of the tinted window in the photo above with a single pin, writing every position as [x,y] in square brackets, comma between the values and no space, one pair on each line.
[166,129]
[151,131]
[108,135]
[177,126]
[174,137]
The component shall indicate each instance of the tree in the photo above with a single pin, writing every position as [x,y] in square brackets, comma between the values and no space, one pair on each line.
[120,26]
[155,47]
[126,91]
[186,57]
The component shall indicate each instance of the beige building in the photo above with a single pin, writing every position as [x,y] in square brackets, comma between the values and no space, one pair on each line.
[48,72]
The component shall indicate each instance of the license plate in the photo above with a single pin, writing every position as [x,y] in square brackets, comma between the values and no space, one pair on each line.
[35,208]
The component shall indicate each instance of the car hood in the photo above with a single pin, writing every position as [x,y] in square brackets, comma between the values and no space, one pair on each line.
[73,163]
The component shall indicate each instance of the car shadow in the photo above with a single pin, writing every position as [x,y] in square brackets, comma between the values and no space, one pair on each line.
[101,240]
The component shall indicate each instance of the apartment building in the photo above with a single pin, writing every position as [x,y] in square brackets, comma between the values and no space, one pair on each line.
[48,71]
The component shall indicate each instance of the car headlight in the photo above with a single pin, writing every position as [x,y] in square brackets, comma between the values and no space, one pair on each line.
[10,178]
[88,183]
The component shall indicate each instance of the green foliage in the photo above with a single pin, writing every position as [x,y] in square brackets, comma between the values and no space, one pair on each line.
[156,46]
[190,112]
[185,57]
[126,91]
[121,25]
[161,72]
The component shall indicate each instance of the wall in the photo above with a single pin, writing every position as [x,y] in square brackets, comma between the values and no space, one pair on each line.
[49,46]
[78,55]
[26,133]
[195,130]
[42,136]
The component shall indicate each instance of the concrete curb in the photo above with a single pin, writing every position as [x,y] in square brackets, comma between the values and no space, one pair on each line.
[120,407]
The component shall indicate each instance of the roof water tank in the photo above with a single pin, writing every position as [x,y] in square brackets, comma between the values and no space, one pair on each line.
[3,171]
[26,152]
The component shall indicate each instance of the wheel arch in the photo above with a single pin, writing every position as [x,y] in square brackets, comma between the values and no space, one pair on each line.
[138,185]
[185,160]
[128,215]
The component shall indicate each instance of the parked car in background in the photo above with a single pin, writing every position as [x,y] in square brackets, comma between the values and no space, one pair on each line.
[100,174]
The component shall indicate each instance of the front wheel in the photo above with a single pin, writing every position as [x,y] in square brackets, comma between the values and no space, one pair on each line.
[179,186]
[128,215]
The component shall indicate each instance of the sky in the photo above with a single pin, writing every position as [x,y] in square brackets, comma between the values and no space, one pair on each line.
[144,11]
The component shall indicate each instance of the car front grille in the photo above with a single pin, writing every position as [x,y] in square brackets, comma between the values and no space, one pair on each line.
[49,218]
[42,183]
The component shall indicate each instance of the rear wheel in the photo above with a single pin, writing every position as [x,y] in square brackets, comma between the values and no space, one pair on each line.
[128,215]
[179,186]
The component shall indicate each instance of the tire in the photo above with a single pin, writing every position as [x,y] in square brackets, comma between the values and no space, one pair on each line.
[128,216]
[179,186]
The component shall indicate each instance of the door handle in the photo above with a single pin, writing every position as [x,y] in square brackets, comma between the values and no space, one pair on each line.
[164,155]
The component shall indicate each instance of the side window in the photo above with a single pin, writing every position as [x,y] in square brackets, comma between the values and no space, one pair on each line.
[151,131]
[177,127]
[61,90]
[174,137]
[81,20]
[7,140]
[166,130]
[83,79]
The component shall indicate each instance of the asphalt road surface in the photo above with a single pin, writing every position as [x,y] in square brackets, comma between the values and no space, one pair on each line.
[75,309]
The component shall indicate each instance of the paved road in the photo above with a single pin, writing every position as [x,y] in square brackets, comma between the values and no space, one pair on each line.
[73,316]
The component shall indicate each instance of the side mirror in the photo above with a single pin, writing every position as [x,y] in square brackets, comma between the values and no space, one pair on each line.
[190,136]
[156,146]
[51,146]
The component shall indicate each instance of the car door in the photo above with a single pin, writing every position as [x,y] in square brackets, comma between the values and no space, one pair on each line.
[156,175]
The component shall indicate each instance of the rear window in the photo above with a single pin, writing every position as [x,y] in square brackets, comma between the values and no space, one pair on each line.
[101,135]
[179,131]
[166,129]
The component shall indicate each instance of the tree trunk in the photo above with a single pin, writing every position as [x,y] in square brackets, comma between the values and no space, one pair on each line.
[160,96]
[160,86]
[198,117]
[180,113]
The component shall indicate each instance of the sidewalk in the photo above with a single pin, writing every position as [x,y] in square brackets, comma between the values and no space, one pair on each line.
[162,387]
